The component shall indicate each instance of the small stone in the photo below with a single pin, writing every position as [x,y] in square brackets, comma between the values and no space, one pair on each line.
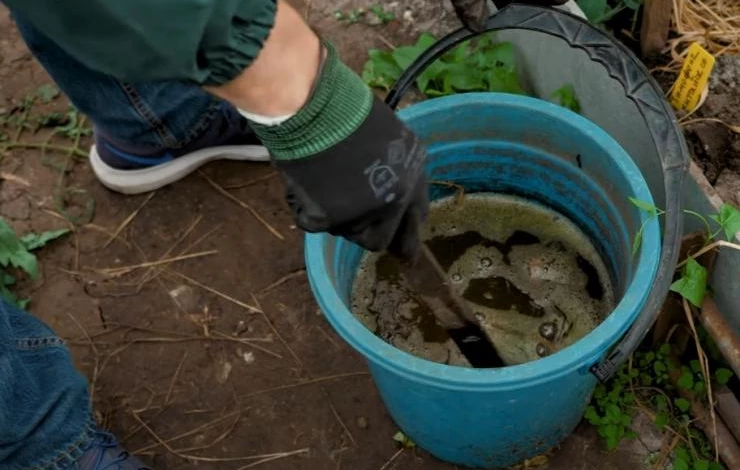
[542,350]
[223,372]
[362,422]
[185,297]
[248,357]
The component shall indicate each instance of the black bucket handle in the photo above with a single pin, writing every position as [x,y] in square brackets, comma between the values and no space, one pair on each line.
[643,91]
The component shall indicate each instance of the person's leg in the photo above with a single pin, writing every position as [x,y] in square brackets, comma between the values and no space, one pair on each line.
[45,417]
[147,134]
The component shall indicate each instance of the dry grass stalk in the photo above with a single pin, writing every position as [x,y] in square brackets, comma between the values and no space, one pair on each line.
[305,369]
[305,383]
[200,428]
[120,271]
[715,24]
[392,459]
[248,307]
[704,362]
[153,273]
[96,354]
[13,178]
[261,458]
[733,128]
[174,379]
[252,182]
[148,274]
[708,248]
[128,220]
[274,285]
[244,205]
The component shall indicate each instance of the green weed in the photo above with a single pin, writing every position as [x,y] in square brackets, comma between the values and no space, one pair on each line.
[645,383]
[692,283]
[478,65]
[16,254]
[601,11]
[481,64]
[375,15]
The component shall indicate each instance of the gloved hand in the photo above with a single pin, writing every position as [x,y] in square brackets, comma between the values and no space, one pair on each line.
[475,13]
[351,167]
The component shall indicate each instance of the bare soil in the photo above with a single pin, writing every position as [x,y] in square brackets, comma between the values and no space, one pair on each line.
[224,355]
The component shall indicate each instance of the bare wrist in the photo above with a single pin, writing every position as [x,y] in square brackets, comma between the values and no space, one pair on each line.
[280,80]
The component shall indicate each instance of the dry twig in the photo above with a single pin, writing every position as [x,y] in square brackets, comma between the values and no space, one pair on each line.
[128,220]
[261,458]
[715,24]
[392,459]
[244,205]
[250,308]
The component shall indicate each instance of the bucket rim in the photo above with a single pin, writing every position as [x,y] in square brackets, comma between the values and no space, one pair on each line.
[578,356]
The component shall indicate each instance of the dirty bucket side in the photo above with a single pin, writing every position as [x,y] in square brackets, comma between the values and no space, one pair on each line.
[491,142]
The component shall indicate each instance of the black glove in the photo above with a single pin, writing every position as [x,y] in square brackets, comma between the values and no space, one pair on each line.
[475,13]
[472,13]
[351,167]
[370,188]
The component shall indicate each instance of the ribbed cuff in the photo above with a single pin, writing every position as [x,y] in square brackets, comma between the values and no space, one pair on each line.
[339,104]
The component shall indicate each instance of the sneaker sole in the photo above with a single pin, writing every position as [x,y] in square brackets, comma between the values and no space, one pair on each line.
[148,179]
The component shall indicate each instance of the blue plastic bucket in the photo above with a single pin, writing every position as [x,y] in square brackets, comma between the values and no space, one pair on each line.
[493,142]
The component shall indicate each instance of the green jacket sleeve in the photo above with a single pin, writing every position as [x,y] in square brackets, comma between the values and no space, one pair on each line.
[207,41]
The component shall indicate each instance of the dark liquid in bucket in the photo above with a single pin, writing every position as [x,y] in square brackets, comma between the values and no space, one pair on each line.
[534,280]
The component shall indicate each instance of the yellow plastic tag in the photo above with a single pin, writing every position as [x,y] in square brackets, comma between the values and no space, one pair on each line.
[693,79]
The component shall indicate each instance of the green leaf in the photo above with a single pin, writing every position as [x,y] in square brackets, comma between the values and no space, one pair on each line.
[722,375]
[462,78]
[14,253]
[661,419]
[680,464]
[34,241]
[405,55]
[566,97]
[500,55]
[693,283]
[700,387]
[6,279]
[701,464]
[695,366]
[644,205]
[686,381]
[633,4]
[665,350]
[46,93]
[381,69]
[659,367]
[729,219]
[638,241]
[592,416]
[503,80]
[682,404]
[594,9]
[403,439]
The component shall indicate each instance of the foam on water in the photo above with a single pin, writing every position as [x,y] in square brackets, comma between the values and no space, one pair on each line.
[534,280]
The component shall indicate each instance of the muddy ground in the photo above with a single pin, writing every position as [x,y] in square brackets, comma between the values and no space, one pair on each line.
[198,362]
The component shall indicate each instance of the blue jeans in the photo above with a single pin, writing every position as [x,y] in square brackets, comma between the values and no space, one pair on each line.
[147,116]
[45,415]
